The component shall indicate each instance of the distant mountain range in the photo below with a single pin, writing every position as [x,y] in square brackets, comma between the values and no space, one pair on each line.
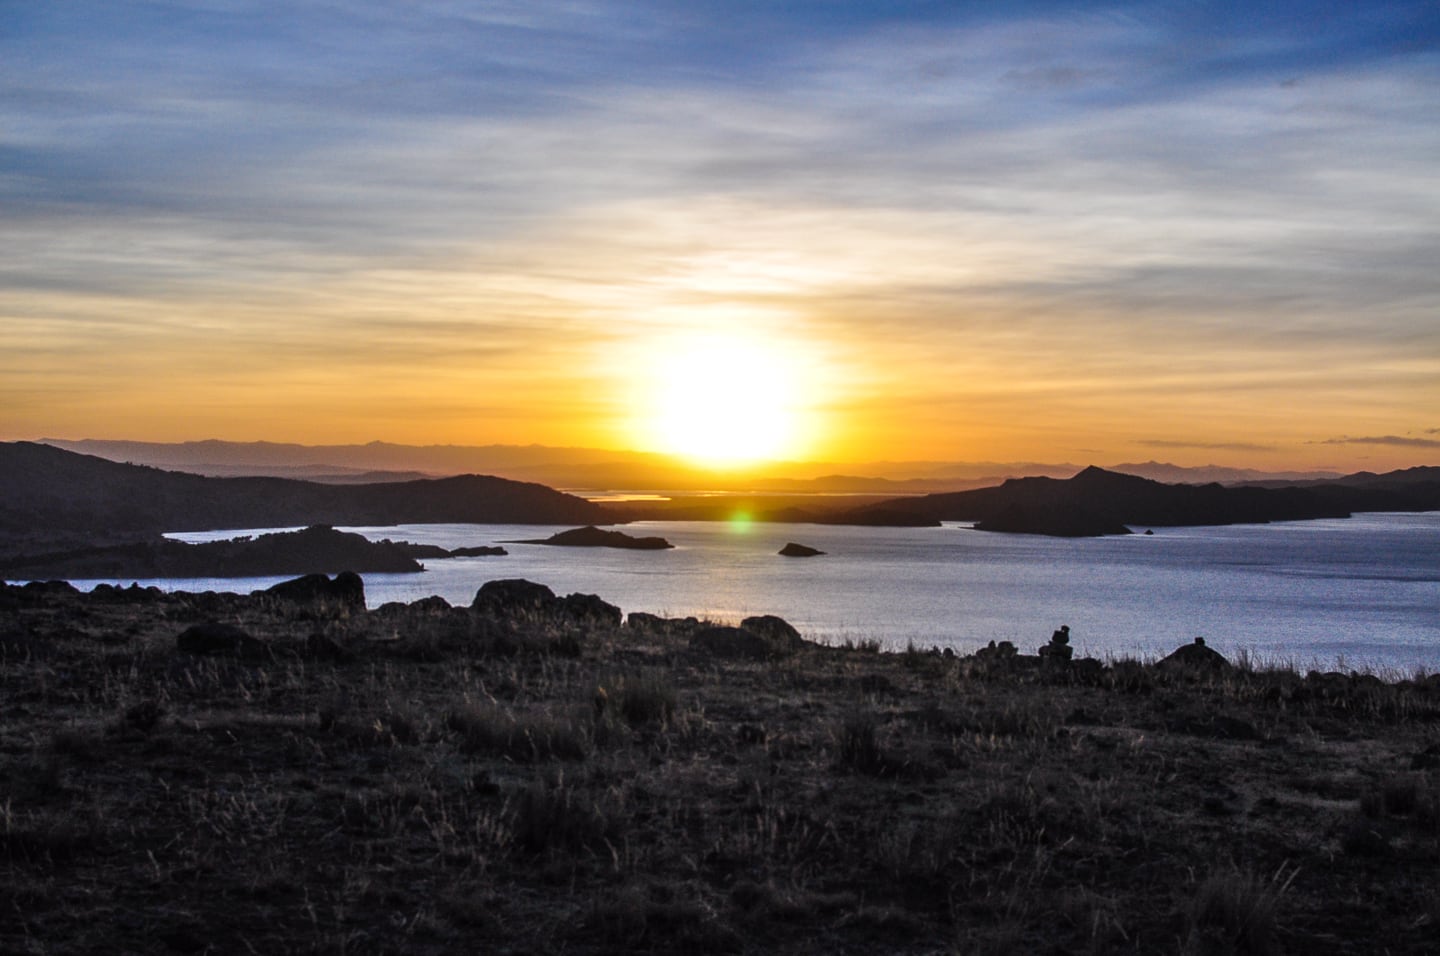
[47,489]
[1097,502]
[52,499]
[594,469]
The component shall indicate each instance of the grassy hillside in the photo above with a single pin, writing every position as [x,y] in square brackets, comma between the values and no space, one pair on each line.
[536,777]
[45,489]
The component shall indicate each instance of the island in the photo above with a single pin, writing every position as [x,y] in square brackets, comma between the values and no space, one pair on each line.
[593,537]
[319,549]
[1100,502]
[793,550]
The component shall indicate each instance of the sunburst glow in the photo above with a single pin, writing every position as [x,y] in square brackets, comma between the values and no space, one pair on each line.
[724,400]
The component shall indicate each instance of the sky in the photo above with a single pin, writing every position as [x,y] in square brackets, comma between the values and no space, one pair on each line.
[1194,232]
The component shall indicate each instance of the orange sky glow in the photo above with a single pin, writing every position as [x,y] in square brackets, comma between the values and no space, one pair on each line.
[1050,235]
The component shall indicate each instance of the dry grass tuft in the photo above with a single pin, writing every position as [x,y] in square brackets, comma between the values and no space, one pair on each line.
[1235,912]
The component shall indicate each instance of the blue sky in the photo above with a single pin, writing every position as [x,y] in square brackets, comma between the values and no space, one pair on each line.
[973,230]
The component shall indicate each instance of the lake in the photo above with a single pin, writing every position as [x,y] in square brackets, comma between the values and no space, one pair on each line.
[1362,592]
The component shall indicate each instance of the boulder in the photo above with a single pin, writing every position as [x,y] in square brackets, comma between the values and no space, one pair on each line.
[516,596]
[512,596]
[641,621]
[997,652]
[775,629]
[345,592]
[1196,657]
[793,550]
[590,609]
[215,638]
[737,643]
[426,607]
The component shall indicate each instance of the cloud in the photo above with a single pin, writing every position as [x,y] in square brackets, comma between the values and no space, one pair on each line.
[1205,446]
[1396,441]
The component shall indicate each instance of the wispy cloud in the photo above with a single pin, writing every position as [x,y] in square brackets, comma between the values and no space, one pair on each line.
[1397,441]
[1205,446]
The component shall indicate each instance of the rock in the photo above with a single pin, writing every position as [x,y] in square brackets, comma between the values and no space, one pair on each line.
[1002,651]
[737,643]
[654,623]
[213,637]
[1059,648]
[478,552]
[793,550]
[39,594]
[134,594]
[513,596]
[590,609]
[516,596]
[434,604]
[423,609]
[1196,657]
[345,592]
[774,629]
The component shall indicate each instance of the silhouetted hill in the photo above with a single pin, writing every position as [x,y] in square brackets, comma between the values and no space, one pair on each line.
[46,489]
[1097,501]
[315,550]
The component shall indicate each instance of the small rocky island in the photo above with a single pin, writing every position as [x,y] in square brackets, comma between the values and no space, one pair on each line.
[593,537]
[793,550]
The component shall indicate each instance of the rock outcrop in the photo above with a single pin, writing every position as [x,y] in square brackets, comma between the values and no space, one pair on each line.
[793,550]
[516,597]
[345,592]
[512,596]
[1196,657]
[757,639]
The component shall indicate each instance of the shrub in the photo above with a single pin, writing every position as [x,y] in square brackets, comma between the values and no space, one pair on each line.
[1234,912]
[639,699]
[544,817]
[488,729]
[858,745]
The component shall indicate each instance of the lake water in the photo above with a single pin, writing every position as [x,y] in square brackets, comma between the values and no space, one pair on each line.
[1362,592]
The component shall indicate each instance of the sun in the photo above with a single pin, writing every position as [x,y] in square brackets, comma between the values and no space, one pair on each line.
[723,400]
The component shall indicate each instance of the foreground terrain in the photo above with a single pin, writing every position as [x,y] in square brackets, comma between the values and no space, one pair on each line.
[270,774]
